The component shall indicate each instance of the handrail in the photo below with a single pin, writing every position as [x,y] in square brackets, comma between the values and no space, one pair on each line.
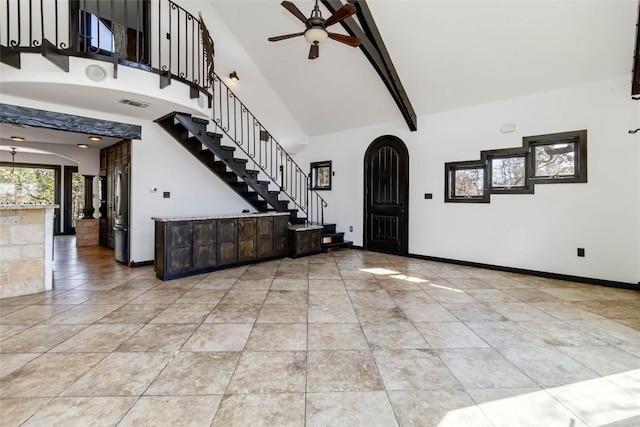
[92,29]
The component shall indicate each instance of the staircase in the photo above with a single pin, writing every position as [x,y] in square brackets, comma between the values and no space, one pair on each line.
[206,146]
[243,154]
[332,240]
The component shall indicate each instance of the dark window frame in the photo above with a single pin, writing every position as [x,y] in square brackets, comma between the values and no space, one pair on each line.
[489,155]
[313,175]
[578,138]
[449,184]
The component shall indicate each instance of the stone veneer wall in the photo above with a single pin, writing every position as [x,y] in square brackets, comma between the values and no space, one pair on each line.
[22,252]
[87,232]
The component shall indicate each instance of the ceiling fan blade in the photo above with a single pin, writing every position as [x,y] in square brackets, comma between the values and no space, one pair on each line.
[351,41]
[286,36]
[314,52]
[295,11]
[343,13]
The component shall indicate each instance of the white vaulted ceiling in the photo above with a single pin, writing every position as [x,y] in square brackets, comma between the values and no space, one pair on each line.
[448,54]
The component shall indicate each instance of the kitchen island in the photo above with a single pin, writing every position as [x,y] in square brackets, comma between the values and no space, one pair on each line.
[191,245]
[26,249]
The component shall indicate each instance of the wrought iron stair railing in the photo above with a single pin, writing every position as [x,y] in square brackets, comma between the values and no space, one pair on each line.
[162,37]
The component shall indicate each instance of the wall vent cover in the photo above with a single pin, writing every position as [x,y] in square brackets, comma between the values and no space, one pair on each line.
[134,103]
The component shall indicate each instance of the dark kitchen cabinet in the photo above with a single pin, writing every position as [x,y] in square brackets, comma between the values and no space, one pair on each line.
[227,241]
[193,246]
[264,237]
[173,247]
[203,244]
[304,241]
[280,242]
[246,239]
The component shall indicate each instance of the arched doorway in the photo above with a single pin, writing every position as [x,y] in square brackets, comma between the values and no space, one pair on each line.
[386,196]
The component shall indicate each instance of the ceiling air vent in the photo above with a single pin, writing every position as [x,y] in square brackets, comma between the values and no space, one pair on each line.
[133,103]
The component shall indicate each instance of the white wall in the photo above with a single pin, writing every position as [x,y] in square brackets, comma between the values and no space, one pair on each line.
[160,161]
[537,232]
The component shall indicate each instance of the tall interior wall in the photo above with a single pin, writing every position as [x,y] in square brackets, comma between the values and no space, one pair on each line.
[538,231]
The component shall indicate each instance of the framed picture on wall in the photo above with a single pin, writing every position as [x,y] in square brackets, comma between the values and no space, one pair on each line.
[321,175]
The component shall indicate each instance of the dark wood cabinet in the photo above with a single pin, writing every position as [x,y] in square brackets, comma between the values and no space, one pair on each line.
[246,239]
[304,240]
[264,237]
[227,241]
[203,243]
[179,246]
[280,241]
[193,246]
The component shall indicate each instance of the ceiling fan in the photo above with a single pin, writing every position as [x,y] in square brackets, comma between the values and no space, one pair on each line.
[316,27]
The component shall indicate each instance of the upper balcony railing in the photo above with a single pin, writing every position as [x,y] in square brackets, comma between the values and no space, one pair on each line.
[161,37]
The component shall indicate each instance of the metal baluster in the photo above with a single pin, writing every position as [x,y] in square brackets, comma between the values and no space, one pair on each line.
[42,20]
[55,7]
[31,24]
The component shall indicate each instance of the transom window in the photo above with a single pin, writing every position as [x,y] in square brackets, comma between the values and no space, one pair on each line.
[465,182]
[560,157]
[543,159]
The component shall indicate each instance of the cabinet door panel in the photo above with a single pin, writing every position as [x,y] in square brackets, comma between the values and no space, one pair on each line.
[227,241]
[204,244]
[315,241]
[264,233]
[280,228]
[178,247]
[246,239]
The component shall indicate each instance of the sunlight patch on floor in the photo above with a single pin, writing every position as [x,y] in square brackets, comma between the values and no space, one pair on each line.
[397,275]
[597,402]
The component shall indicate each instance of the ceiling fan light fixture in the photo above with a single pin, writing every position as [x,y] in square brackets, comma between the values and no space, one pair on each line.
[315,35]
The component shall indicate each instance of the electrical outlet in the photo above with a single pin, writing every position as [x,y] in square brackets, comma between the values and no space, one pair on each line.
[581,252]
[351,228]
[166,194]
[428,195]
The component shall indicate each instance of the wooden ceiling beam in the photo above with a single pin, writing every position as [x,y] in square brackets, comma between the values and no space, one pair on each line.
[376,52]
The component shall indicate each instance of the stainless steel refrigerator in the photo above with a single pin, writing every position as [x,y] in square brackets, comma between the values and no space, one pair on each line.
[121,214]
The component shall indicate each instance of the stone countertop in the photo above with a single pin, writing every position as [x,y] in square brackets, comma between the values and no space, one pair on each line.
[222,216]
[6,207]
[303,227]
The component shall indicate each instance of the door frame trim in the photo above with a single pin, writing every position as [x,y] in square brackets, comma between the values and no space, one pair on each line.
[403,151]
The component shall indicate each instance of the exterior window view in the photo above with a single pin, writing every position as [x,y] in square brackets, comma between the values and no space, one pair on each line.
[469,182]
[554,160]
[234,213]
[508,172]
[27,185]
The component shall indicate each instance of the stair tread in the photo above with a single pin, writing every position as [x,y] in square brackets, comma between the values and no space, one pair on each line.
[227,148]
[200,120]
[338,234]
[336,244]
[240,160]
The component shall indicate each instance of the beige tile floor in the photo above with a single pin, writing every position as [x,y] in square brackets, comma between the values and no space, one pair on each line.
[351,338]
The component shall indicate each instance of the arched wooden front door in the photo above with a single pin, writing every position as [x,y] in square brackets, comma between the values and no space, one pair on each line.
[386,196]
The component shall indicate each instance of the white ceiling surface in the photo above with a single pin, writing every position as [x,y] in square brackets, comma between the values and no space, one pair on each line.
[48,136]
[448,54]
